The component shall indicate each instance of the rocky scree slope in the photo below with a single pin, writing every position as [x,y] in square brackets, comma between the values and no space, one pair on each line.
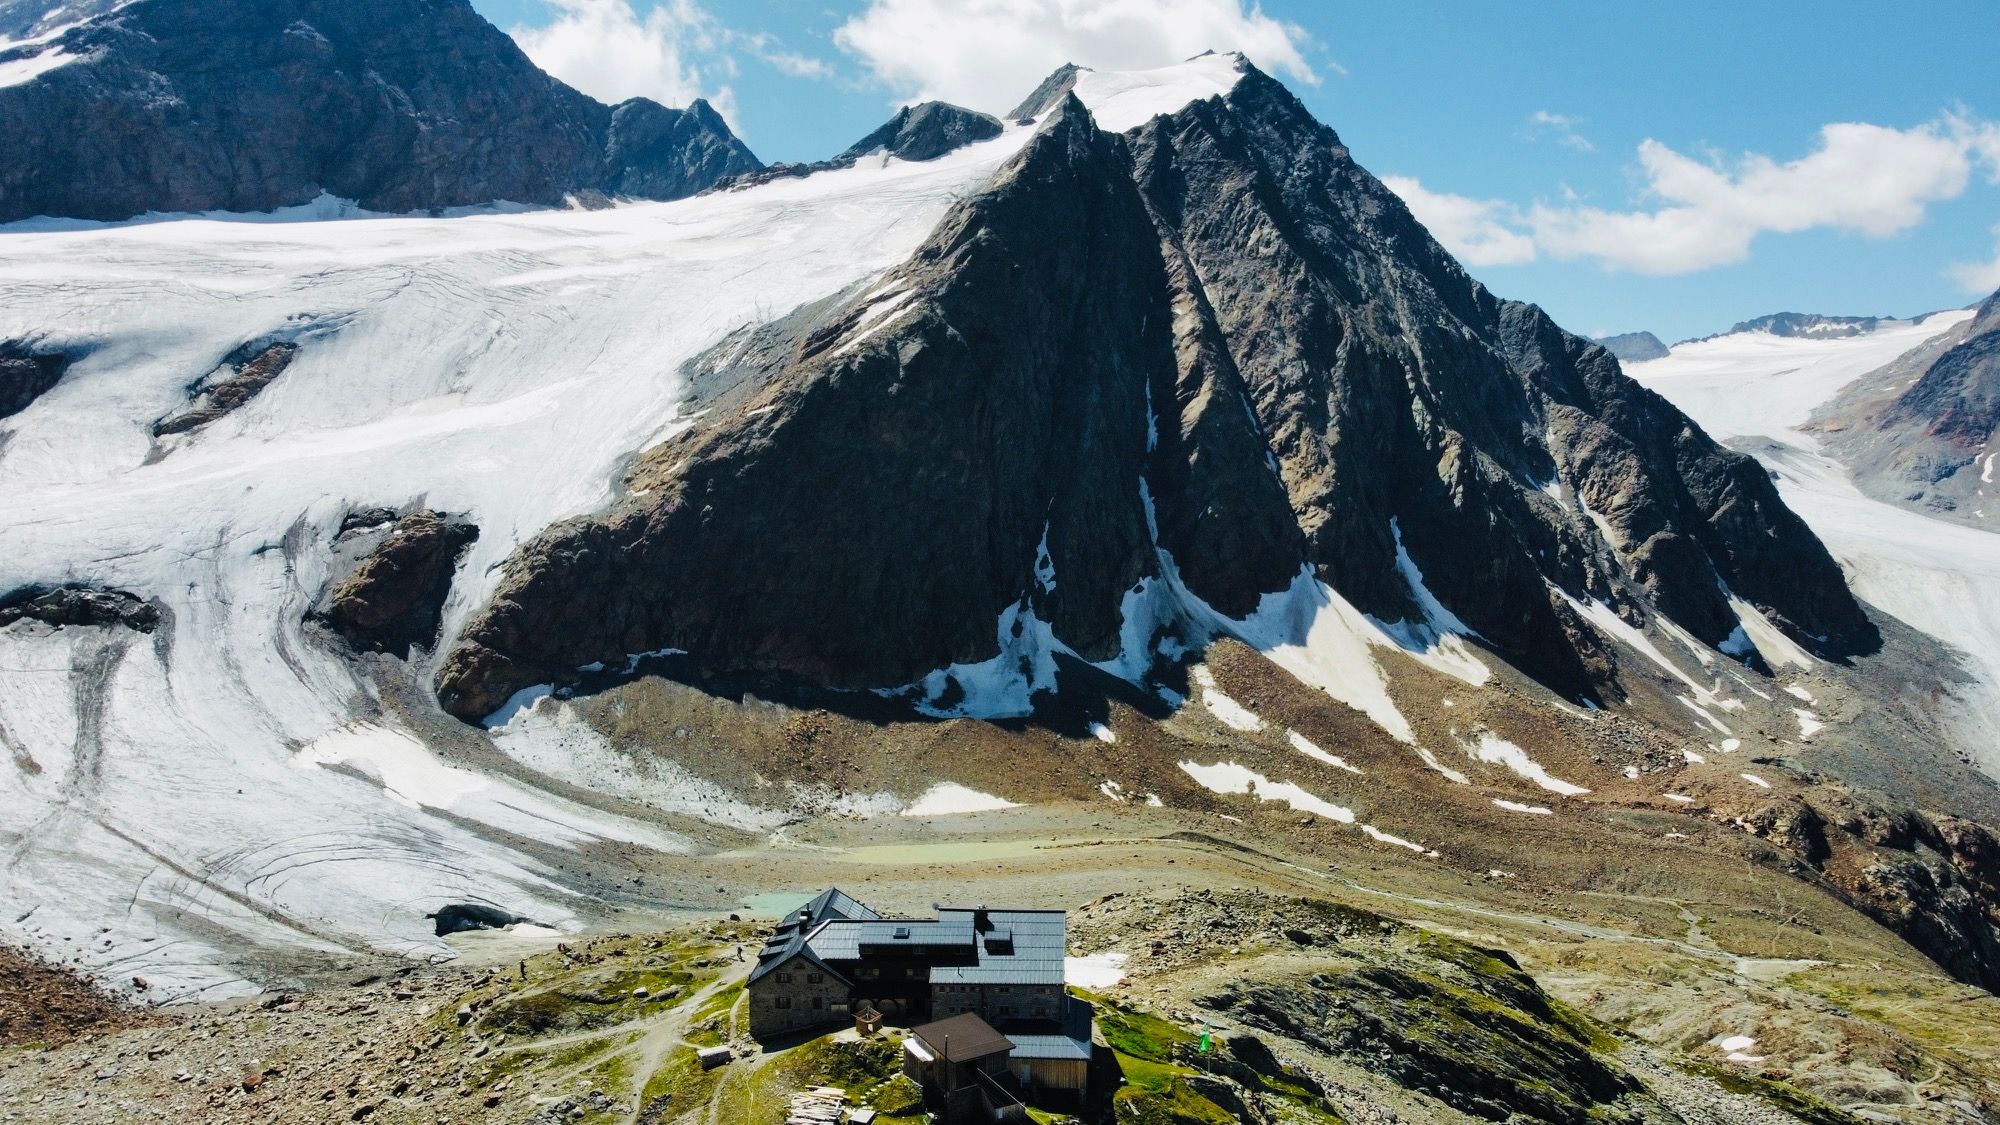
[249,105]
[1143,387]
[1929,445]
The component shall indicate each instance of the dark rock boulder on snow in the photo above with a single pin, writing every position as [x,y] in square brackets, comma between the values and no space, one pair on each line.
[926,132]
[393,597]
[240,378]
[1633,347]
[461,917]
[248,105]
[27,373]
[79,605]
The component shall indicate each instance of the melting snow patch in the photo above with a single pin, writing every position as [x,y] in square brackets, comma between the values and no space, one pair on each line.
[1778,649]
[1809,723]
[1731,745]
[1694,757]
[1680,798]
[1494,750]
[413,777]
[520,703]
[950,798]
[1234,778]
[1798,691]
[22,71]
[1112,790]
[1381,837]
[1102,733]
[1631,773]
[1437,639]
[1305,746]
[1232,713]
[1431,760]
[1516,806]
[1755,780]
[1096,971]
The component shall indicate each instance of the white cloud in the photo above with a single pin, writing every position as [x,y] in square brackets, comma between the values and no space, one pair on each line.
[1563,126]
[605,49]
[1980,277]
[1860,179]
[1477,231]
[988,54]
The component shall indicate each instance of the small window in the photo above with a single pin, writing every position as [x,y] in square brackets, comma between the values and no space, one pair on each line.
[784,1001]
[784,978]
[814,978]
[819,1002]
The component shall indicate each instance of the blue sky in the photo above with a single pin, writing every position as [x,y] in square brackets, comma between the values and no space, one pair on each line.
[1515,130]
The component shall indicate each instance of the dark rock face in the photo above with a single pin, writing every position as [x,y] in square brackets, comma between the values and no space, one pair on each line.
[394,596]
[1927,446]
[926,132]
[236,382]
[1204,355]
[1633,347]
[26,374]
[247,105]
[79,605]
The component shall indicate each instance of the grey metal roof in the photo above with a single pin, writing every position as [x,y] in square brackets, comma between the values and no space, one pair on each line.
[796,928]
[991,947]
[1045,1040]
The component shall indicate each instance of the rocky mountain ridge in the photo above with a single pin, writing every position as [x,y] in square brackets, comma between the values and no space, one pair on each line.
[1920,431]
[251,105]
[1274,385]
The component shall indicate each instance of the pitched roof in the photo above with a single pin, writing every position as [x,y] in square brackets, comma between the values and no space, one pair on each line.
[963,1038]
[793,931]
[1015,946]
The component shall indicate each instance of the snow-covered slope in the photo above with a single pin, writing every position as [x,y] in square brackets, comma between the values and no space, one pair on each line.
[1941,578]
[494,365]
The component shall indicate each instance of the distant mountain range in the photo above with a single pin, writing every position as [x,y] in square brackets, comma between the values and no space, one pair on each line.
[1633,347]
[251,105]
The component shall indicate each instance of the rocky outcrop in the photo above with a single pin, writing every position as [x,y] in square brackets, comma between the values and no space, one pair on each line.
[393,597]
[1929,445]
[926,132]
[248,105]
[240,378]
[26,374]
[654,152]
[1933,880]
[65,606]
[1633,347]
[1144,377]
[1462,1025]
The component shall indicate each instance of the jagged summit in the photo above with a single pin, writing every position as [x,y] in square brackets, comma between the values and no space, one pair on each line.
[251,105]
[925,132]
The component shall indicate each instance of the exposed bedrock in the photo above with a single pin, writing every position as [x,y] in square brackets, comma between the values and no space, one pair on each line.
[27,373]
[62,606]
[393,595]
[1213,344]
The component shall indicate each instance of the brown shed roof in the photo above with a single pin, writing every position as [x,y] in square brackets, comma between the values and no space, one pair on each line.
[963,1038]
